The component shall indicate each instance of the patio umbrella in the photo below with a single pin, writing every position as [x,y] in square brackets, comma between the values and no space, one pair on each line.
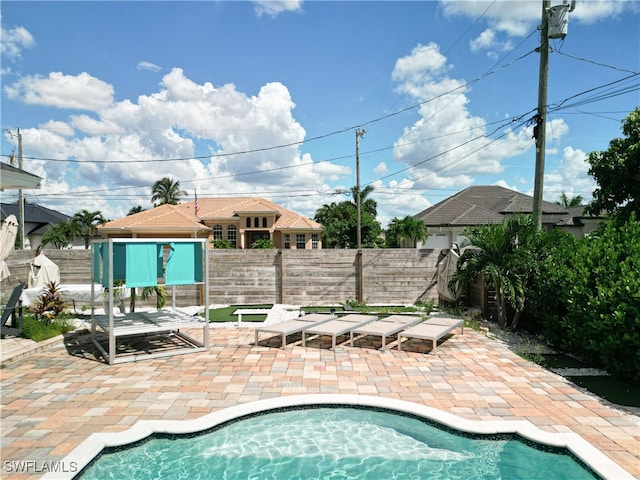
[43,271]
[7,241]
[446,268]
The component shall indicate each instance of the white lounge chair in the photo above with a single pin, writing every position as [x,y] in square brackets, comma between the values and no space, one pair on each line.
[386,327]
[289,327]
[339,326]
[432,329]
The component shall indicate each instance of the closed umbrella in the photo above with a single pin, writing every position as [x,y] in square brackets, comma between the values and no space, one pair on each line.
[7,241]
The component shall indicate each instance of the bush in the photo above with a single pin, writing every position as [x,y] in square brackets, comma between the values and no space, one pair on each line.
[586,298]
[50,304]
[222,244]
[263,243]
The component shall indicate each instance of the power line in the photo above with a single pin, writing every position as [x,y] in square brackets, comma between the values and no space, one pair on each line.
[594,62]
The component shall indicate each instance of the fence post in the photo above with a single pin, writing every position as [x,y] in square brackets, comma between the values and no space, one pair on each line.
[279,278]
[359,278]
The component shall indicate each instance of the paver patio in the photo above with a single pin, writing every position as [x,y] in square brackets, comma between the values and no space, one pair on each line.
[54,399]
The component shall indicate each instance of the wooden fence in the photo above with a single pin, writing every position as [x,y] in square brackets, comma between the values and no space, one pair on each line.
[296,277]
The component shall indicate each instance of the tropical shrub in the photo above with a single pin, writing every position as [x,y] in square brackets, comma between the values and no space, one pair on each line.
[263,243]
[507,256]
[222,244]
[50,304]
[586,298]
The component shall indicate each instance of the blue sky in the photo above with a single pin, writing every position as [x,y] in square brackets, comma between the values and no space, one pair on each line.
[237,98]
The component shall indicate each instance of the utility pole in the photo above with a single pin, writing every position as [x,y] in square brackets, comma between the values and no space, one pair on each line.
[540,133]
[20,196]
[554,25]
[360,132]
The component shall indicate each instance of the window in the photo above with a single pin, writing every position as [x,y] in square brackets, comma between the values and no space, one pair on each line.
[287,240]
[314,241]
[264,222]
[248,222]
[256,222]
[217,232]
[232,234]
[301,239]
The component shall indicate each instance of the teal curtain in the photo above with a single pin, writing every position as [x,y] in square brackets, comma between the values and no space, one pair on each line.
[143,264]
[184,265]
[119,261]
[97,262]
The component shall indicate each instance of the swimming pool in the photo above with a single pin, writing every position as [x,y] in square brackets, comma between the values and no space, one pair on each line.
[340,437]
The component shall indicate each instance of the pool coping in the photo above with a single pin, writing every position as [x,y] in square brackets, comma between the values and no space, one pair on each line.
[84,453]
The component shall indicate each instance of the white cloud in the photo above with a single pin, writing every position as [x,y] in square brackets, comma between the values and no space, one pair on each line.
[517,18]
[79,92]
[485,40]
[14,41]
[181,120]
[447,145]
[381,169]
[152,67]
[570,176]
[59,128]
[274,7]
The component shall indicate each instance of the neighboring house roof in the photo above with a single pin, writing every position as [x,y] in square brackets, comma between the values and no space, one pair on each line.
[182,217]
[12,178]
[36,215]
[169,218]
[483,205]
[576,216]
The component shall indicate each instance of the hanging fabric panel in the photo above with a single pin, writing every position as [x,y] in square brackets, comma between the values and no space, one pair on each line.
[142,264]
[104,253]
[184,265]
[120,261]
[97,262]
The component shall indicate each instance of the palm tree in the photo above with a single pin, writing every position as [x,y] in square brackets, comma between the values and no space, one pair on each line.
[565,201]
[57,236]
[166,191]
[136,209]
[87,223]
[505,255]
[406,232]
[367,205]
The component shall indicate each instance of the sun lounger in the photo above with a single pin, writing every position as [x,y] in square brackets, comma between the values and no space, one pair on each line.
[339,326]
[289,327]
[432,329]
[385,327]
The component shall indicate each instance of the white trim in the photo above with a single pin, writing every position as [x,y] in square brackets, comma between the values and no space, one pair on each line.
[82,455]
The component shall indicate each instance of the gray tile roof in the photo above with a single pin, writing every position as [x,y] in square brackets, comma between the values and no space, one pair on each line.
[34,214]
[483,205]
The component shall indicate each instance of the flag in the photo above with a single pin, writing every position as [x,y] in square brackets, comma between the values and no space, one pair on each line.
[196,205]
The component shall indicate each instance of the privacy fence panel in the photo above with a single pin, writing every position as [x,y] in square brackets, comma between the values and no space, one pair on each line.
[296,277]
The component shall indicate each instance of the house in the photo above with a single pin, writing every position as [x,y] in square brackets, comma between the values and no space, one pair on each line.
[483,205]
[37,220]
[239,220]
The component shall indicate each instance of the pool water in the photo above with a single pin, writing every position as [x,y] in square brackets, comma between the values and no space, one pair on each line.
[333,444]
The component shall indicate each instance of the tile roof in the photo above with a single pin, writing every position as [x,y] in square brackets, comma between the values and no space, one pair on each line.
[482,205]
[182,217]
[34,213]
[162,218]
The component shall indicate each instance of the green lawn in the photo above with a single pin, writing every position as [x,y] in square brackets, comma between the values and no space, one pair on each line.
[225,314]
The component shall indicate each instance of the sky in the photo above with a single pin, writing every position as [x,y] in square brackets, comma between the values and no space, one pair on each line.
[268,99]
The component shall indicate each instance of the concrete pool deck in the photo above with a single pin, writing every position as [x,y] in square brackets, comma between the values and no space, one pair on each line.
[55,398]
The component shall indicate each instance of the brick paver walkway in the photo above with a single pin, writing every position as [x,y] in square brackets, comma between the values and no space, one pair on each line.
[54,399]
